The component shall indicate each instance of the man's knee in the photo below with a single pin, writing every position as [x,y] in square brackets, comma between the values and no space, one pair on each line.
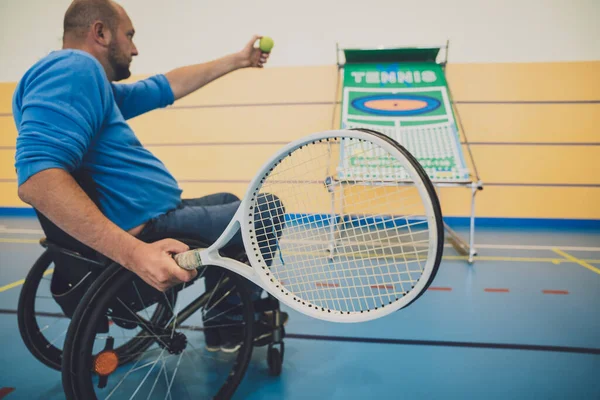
[229,197]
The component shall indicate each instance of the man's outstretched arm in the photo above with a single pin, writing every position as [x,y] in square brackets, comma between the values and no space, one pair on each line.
[186,80]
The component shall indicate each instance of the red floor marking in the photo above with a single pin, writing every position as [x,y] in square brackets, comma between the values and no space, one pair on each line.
[441,289]
[555,291]
[322,284]
[5,390]
[390,287]
[492,290]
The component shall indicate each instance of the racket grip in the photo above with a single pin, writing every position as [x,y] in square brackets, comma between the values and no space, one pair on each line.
[188,260]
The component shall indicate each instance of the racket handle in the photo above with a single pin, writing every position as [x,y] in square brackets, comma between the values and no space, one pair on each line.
[188,260]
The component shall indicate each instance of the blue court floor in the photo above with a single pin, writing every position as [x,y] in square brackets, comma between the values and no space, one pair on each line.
[522,322]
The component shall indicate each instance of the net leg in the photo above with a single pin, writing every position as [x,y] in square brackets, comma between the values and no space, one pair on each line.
[472,251]
[463,248]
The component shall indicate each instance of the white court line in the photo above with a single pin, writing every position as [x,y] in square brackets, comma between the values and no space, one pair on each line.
[4,229]
[534,247]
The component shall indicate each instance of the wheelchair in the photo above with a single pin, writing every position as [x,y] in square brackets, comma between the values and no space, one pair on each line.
[109,332]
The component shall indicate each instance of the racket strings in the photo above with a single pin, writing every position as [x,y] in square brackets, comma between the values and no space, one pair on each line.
[312,227]
[307,272]
[364,153]
[320,285]
[356,237]
[384,242]
[342,245]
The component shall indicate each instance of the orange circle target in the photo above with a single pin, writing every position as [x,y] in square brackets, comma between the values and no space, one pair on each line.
[396,105]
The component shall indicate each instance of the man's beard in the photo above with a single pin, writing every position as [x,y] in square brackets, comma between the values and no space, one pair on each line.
[118,63]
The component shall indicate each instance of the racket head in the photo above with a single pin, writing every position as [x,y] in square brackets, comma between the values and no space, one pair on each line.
[327,237]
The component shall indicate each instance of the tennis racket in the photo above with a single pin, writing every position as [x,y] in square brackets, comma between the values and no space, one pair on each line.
[342,225]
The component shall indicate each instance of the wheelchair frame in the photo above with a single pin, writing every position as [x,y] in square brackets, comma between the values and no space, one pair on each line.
[274,355]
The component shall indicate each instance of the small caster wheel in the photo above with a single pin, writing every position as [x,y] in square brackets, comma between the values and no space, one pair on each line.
[274,359]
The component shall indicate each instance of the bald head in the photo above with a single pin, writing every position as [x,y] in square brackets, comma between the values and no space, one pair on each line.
[81,14]
[103,29]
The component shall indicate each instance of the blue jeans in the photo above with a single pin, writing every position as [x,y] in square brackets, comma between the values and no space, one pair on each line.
[204,218]
[207,217]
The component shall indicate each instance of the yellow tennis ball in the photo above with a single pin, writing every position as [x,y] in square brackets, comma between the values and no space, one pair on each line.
[266,44]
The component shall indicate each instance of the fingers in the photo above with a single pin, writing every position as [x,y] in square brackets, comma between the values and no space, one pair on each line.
[182,275]
[253,40]
[163,272]
[169,274]
[177,273]
[253,54]
[262,59]
[172,246]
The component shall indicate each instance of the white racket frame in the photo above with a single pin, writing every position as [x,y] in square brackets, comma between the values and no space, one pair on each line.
[259,272]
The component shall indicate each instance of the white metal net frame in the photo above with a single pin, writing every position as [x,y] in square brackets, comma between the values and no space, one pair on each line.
[466,178]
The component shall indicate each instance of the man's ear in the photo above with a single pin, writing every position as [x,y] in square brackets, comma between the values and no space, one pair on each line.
[101,33]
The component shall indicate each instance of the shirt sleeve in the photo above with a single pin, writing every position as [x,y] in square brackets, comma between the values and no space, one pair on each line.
[61,109]
[137,98]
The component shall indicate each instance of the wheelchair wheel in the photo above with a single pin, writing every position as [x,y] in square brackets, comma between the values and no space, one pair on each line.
[43,325]
[175,359]
[274,361]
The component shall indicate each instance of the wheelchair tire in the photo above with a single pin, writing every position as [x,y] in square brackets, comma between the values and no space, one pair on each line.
[79,376]
[49,350]
[274,360]
[33,337]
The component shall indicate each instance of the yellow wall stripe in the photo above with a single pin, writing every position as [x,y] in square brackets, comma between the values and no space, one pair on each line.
[496,164]
[540,123]
[537,123]
[493,201]
[558,81]
[282,104]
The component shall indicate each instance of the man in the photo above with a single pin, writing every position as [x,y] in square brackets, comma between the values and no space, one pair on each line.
[71,116]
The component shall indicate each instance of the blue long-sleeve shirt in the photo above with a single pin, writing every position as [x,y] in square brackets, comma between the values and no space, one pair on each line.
[69,116]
